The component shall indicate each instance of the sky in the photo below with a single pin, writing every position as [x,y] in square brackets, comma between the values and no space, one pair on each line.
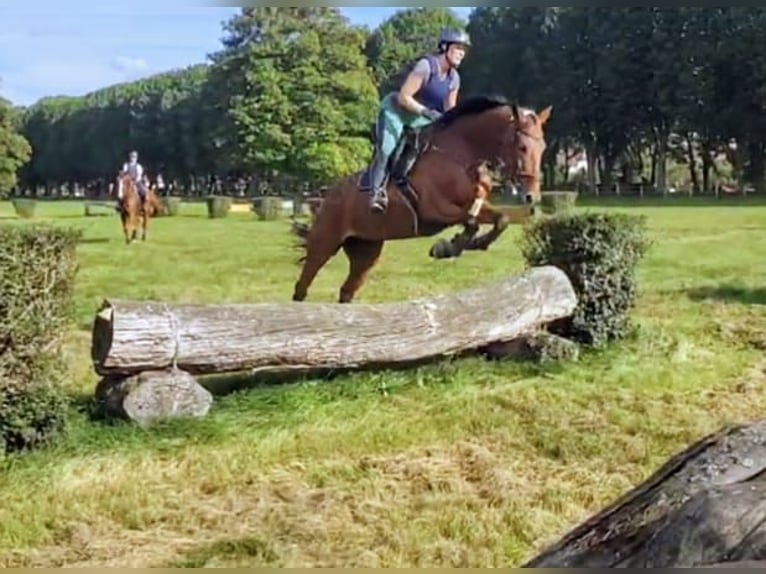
[52,47]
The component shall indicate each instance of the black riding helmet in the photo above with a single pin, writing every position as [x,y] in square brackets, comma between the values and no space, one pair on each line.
[451,36]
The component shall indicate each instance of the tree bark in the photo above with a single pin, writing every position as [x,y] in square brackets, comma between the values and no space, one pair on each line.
[705,507]
[130,337]
[692,159]
[662,162]
[708,151]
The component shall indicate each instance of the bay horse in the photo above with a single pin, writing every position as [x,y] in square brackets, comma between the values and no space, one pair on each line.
[131,208]
[431,187]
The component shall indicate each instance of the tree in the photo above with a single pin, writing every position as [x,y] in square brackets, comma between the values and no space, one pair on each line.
[86,138]
[15,150]
[293,91]
[294,87]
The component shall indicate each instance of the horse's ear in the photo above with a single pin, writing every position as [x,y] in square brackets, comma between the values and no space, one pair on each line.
[515,112]
[545,115]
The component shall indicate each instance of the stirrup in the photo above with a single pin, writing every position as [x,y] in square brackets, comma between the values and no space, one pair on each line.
[378,201]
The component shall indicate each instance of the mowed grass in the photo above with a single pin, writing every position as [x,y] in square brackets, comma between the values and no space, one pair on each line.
[463,463]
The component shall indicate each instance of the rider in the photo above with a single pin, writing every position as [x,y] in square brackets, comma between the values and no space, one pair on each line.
[136,172]
[430,89]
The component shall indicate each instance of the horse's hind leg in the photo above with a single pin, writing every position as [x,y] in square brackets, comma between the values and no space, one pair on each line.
[362,256]
[318,252]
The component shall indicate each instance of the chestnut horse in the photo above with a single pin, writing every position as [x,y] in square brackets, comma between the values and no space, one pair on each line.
[431,188]
[131,208]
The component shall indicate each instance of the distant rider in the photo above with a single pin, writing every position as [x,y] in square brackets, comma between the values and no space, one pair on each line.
[136,172]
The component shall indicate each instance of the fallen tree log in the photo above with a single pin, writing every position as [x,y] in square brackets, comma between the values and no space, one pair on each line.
[705,507]
[130,337]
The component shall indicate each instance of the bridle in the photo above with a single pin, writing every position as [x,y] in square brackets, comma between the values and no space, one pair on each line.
[519,173]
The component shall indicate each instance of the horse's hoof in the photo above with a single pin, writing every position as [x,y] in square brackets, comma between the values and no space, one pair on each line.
[442,249]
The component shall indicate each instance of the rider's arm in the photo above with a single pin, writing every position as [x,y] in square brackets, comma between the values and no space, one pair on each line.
[454,89]
[411,85]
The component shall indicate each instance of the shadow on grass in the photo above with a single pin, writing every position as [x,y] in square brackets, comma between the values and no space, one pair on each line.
[729,294]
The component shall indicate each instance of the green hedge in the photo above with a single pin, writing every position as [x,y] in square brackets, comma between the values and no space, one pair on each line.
[37,272]
[600,254]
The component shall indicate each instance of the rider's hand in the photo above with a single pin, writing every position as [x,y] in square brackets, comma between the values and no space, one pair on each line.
[432,114]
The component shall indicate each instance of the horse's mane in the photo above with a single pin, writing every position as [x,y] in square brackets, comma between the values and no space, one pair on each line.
[471,106]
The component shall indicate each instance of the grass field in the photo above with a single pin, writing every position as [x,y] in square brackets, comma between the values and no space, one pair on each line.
[466,463]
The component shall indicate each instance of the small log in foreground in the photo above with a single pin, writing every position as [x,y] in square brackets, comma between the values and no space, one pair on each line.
[130,337]
[705,507]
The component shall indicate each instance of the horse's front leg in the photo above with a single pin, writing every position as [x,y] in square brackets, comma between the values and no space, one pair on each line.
[447,249]
[488,215]
[444,249]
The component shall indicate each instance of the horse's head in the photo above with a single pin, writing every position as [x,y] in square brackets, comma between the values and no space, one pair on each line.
[523,152]
[505,134]
[124,184]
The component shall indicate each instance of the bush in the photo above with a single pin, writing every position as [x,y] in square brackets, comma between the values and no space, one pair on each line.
[37,272]
[31,416]
[172,206]
[558,202]
[269,208]
[24,207]
[218,206]
[600,254]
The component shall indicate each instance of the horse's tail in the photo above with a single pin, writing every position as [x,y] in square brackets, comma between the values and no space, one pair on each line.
[301,231]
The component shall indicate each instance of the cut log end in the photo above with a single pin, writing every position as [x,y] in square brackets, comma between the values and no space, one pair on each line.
[102,335]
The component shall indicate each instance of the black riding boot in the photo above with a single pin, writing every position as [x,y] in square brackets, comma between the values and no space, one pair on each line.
[379,200]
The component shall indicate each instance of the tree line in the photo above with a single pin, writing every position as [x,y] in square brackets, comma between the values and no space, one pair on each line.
[288,101]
